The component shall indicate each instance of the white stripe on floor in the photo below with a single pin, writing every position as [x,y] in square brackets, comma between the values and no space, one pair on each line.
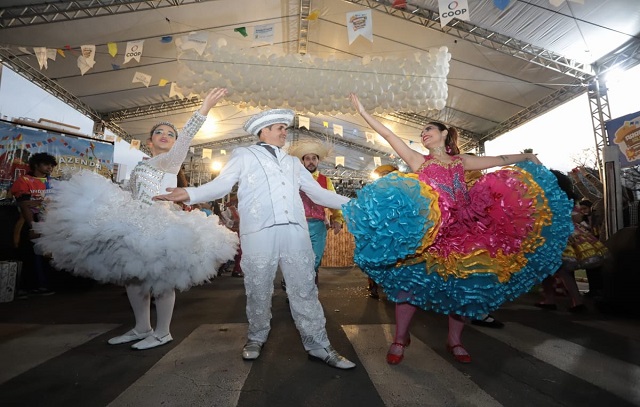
[205,369]
[627,329]
[39,343]
[422,379]
[612,375]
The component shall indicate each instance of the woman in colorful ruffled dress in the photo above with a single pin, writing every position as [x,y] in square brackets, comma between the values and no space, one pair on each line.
[431,243]
[95,229]
[583,251]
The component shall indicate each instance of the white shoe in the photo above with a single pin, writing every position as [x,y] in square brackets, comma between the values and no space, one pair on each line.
[152,341]
[130,336]
[251,350]
[331,357]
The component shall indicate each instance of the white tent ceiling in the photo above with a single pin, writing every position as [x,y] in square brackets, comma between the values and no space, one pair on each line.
[506,67]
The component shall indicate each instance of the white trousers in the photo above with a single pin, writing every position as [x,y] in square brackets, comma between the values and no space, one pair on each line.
[289,247]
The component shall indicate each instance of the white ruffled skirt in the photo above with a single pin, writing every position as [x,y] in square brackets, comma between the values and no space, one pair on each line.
[94,229]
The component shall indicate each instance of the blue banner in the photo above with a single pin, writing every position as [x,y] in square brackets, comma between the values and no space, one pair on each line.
[18,143]
[624,132]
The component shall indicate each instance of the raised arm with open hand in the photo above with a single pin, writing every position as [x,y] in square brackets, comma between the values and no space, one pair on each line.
[211,100]
[413,158]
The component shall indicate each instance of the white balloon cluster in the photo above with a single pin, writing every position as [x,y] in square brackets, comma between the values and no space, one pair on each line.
[320,86]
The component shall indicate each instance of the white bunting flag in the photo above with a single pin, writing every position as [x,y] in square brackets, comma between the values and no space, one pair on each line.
[223,152]
[143,78]
[41,55]
[206,153]
[339,161]
[135,144]
[134,50]
[303,122]
[337,129]
[377,161]
[84,65]
[194,40]
[192,150]
[175,91]
[24,50]
[263,34]
[450,9]
[359,23]
[369,137]
[89,53]
[51,53]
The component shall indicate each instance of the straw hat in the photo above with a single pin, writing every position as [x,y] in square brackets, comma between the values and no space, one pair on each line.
[304,147]
[383,170]
[267,118]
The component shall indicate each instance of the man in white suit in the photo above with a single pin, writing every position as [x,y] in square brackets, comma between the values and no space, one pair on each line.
[273,231]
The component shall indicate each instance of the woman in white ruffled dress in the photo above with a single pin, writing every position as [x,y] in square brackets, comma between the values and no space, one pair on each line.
[95,229]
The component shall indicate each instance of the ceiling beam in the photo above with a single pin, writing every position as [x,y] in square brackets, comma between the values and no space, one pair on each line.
[36,77]
[484,37]
[372,151]
[152,109]
[542,106]
[624,57]
[53,12]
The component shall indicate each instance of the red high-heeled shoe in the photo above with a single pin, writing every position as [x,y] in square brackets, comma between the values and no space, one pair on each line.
[459,358]
[394,359]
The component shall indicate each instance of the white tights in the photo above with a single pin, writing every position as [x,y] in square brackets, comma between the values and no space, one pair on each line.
[140,301]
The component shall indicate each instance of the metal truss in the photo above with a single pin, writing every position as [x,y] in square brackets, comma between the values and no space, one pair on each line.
[234,141]
[53,12]
[152,109]
[34,76]
[303,30]
[341,142]
[542,106]
[468,139]
[600,114]
[486,38]
[342,173]
[625,57]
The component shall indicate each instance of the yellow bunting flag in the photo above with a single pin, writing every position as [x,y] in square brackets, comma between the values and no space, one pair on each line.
[113,49]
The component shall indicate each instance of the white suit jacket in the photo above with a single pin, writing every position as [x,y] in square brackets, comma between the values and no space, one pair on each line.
[268,188]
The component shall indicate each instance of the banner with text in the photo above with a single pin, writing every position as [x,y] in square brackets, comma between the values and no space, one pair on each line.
[624,132]
[18,143]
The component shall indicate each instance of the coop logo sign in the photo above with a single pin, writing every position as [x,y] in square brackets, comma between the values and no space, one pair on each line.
[134,50]
[453,9]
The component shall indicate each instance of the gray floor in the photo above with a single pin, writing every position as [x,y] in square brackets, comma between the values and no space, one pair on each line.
[53,352]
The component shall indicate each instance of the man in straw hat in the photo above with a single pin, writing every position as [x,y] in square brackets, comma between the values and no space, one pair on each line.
[273,232]
[310,154]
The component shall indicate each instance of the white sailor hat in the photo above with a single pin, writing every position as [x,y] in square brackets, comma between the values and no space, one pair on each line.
[267,118]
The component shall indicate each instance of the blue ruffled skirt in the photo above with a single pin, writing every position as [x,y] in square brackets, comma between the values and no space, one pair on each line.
[396,220]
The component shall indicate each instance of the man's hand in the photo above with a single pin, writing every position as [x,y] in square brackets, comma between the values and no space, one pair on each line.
[336,226]
[175,195]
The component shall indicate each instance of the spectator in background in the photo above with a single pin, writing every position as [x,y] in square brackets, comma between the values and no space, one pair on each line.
[591,224]
[311,154]
[30,191]
[583,250]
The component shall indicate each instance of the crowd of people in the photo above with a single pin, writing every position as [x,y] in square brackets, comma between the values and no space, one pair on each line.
[453,254]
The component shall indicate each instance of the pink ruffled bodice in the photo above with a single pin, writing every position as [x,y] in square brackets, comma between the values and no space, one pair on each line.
[491,215]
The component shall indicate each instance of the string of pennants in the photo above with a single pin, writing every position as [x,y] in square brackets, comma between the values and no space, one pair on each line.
[18,138]
[359,24]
